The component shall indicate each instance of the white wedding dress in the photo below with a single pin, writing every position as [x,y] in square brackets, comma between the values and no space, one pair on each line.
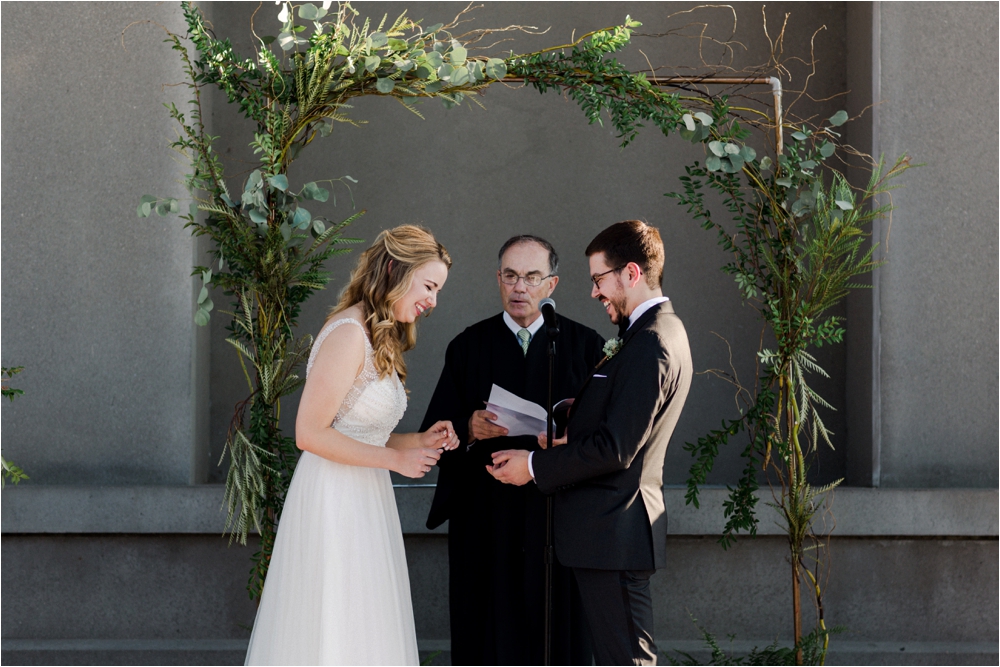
[337,590]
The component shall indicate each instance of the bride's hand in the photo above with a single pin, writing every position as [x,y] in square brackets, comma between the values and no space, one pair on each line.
[440,436]
[416,462]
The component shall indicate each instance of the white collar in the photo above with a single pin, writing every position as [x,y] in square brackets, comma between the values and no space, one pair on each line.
[515,327]
[643,307]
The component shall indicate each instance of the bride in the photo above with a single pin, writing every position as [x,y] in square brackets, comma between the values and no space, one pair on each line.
[337,589]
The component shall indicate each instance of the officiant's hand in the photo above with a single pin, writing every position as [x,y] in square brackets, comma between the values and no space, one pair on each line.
[543,440]
[440,436]
[510,466]
[481,426]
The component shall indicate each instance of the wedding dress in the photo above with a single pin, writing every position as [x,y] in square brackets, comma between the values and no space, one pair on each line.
[337,590]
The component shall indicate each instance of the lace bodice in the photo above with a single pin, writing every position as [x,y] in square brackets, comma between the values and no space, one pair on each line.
[373,406]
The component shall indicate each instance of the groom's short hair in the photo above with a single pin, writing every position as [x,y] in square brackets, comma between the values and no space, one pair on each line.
[632,241]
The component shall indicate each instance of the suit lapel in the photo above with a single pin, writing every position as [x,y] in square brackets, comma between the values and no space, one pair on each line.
[647,317]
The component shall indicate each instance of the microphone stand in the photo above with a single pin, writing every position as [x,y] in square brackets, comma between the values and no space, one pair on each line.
[552,331]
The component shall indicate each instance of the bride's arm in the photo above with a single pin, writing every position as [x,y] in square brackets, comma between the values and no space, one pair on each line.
[334,370]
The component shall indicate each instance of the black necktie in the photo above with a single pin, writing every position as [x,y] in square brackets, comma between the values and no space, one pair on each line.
[622,326]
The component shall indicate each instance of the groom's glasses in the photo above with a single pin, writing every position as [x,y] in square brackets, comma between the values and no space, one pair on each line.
[531,280]
[598,277]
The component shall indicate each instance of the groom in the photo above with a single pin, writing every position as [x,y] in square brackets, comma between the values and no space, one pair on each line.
[607,478]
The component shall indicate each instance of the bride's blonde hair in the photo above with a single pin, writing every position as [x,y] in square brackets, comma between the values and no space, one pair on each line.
[382,277]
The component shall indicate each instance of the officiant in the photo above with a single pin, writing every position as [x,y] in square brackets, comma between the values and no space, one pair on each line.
[496,532]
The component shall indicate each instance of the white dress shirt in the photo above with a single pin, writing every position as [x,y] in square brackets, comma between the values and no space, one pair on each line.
[515,327]
[636,314]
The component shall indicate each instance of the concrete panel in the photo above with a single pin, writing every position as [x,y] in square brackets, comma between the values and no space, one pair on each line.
[939,291]
[97,304]
[531,163]
[149,597]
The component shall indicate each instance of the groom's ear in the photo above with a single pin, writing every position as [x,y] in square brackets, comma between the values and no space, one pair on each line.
[633,274]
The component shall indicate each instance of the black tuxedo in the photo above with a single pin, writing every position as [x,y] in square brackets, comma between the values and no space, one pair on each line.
[496,533]
[608,478]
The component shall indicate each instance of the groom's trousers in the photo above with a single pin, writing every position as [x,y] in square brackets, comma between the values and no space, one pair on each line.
[618,605]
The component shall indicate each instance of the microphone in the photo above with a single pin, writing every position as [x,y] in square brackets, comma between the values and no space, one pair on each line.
[548,308]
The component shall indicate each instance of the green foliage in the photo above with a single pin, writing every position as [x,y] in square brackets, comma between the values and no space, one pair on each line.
[583,71]
[812,647]
[11,473]
[797,238]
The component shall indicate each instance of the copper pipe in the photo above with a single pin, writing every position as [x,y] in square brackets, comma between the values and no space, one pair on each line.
[676,81]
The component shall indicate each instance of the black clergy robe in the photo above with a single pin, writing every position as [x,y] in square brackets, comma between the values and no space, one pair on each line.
[496,532]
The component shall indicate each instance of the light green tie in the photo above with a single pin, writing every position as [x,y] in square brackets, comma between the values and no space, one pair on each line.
[525,337]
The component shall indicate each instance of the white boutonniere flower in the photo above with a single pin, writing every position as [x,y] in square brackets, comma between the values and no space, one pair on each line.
[612,347]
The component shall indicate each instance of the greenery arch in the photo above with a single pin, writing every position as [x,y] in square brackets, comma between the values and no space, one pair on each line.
[794,234]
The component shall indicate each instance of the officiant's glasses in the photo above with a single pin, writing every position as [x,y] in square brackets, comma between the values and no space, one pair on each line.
[598,277]
[531,280]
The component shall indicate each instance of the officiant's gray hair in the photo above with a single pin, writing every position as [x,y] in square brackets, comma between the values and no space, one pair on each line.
[530,238]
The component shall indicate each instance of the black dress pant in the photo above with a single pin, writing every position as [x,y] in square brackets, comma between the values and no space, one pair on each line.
[619,609]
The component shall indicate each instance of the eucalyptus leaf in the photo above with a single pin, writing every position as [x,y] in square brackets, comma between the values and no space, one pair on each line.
[384,85]
[424,72]
[286,231]
[689,122]
[372,63]
[309,12]
[162,209]
[286,41]
[444,72]
[258,216]
[765,163]
[784,182]
[229,202]
[808,164]
[201,318]
[717,147]
[736,160]
[433,87]
[378,39]
[458,55]
[460,76]
[799,136]
[732,149]
[496,68]
[318,227]
[435,60]
[202,295]
[713,163]
[207,305]
[433,29]
[703,117]
[301,218]
[827,149]
[147,199]
[278,181]
[748,153]
[844,205]
[838,118]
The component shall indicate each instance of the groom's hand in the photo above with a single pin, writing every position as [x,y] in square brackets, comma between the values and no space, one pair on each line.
[510,466]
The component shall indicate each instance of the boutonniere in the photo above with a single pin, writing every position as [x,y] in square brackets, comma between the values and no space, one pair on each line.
[611,348]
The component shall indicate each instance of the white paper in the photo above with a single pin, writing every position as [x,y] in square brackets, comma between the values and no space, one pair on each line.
[518,416]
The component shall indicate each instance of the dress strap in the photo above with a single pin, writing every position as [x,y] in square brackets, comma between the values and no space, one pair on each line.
[327,330]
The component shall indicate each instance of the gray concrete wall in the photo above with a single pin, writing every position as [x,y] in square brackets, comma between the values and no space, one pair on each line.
[97,304]
[939,289]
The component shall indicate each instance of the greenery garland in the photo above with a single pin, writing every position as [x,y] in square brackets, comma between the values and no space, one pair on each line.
[795,240]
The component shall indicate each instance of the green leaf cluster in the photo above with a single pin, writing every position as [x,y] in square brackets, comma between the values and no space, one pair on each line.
[11,472]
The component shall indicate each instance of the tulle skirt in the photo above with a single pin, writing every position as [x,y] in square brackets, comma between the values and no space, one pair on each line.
[337,590]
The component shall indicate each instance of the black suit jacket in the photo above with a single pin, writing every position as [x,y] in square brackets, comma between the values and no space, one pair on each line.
[608,478]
